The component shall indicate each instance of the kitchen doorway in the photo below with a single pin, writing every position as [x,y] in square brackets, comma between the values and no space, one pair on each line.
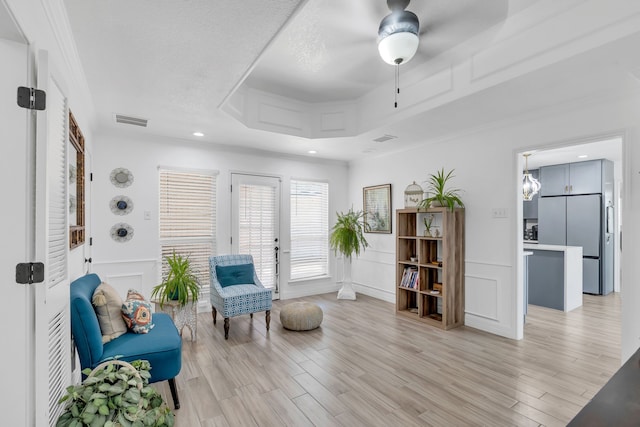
[530,232]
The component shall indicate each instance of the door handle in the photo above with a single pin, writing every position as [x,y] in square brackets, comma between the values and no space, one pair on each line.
[277,250]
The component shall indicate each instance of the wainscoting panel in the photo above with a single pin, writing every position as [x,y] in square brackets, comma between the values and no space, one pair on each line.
[141,275]
[490,297]
[482,297]
[375,274]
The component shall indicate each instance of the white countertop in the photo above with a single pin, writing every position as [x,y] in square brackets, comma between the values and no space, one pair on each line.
[541,247]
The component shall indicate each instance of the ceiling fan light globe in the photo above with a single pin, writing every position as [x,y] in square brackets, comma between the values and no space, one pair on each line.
[398,48]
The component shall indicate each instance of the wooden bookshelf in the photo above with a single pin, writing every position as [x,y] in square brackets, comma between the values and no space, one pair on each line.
[437,297]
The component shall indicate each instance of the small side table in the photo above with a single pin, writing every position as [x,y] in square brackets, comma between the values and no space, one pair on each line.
[182,316]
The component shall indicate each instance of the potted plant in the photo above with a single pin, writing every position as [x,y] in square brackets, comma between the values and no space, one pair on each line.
[347,238]
[181,283]
[439,194]
[428,220]
[115,393]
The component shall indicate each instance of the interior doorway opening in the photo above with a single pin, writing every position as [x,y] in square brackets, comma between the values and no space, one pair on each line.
[609,148]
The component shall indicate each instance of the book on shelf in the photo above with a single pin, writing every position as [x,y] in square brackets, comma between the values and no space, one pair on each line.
[410,278]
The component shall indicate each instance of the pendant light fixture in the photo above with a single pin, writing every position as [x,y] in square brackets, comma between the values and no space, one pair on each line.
[530,185]
[398,38]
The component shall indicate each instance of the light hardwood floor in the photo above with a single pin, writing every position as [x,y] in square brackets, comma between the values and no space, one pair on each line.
[367,367]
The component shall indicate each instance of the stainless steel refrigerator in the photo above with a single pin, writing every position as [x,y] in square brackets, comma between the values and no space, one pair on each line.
[582,220]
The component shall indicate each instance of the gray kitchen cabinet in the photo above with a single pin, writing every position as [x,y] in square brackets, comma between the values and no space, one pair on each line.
[554,180]
[571,178]
[530,207]
[546,279]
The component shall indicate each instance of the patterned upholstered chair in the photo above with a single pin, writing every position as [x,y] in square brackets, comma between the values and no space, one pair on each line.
[236,289]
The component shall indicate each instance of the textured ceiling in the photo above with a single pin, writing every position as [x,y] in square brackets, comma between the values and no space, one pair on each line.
[329,51]
[175,62]
[166,59]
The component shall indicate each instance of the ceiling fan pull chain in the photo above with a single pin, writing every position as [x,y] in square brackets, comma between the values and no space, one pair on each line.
[397,88]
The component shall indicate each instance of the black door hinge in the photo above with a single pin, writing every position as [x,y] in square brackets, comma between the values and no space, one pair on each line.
[31,98]
[90,241]
[30,272]
[91,176]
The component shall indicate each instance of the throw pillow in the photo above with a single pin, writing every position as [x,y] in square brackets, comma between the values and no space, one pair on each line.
[136,312]
[107,303]
[239,274]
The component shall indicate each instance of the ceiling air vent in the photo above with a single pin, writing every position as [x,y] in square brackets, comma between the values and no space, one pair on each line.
[385,138]
[128,120]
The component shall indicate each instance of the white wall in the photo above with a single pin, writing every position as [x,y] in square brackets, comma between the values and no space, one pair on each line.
[136,263]
[486,166]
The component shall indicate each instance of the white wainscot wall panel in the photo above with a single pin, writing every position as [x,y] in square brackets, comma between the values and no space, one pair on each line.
[489,297]
[373,274]
[305,288]
[141,275]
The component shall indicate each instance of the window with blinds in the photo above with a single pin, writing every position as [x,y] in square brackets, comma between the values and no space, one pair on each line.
[187,221]
[309,229]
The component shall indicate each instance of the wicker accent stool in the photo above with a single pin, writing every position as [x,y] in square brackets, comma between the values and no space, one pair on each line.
[301,316]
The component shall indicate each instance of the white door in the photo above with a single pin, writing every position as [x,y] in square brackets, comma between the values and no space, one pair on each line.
[255,222]
[52,327]
[16,154]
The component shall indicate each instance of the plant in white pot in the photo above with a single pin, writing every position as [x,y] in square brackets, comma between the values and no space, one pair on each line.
[347,238]
[439,194]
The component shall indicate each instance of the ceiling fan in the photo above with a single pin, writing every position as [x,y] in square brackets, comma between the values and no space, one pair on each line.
[398,38]
[398,33]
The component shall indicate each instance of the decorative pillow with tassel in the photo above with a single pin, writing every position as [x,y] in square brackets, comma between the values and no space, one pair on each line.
[108,304]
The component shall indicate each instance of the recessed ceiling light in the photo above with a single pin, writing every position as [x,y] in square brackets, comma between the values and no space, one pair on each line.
[582,156]
[312,151]
[198,134]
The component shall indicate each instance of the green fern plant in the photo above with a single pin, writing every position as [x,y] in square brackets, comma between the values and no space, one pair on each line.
[437,187]
[347,235]
[181,283]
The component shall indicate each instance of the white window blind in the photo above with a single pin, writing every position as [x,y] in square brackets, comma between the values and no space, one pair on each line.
[309,229]
[258,229]
[187,221]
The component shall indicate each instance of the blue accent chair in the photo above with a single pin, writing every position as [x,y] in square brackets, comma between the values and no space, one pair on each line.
[162,346]
[236,289]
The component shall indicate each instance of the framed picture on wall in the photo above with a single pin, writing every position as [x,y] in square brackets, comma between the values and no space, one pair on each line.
[377,208]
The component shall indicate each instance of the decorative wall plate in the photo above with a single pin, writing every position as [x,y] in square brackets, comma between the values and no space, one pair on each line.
[121,177]
[121,205]
[122,232]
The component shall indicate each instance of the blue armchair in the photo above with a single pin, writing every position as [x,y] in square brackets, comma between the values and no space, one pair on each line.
[162,346]
[236,289]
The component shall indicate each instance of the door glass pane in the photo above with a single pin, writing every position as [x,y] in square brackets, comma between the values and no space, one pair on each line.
[257,228]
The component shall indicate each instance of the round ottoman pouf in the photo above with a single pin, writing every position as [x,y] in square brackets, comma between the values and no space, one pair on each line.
[301,316]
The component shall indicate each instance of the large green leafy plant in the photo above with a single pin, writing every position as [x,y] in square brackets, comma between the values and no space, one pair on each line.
[437,188]
[115,394]
[181,283]
[347,235]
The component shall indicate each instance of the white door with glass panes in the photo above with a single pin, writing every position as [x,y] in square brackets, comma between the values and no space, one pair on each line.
[255,222]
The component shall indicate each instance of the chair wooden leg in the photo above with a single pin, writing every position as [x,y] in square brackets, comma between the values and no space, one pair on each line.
[226,328]
[214,314]
[174,393]
[268,318]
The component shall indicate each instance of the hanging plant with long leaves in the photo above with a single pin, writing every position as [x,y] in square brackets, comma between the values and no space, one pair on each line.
[347,235]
